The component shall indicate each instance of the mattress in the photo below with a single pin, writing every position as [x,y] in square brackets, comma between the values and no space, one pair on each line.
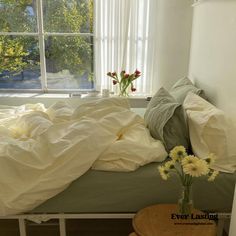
[117,192]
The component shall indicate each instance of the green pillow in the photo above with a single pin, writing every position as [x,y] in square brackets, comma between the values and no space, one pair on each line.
[182,87]
[165,120]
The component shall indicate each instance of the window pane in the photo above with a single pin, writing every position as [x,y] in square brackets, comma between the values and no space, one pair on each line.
[19,60]
[68,16]
[69,62]
[18,16]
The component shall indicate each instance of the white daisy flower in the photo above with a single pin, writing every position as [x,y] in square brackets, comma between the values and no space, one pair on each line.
[197,169]
[210,159]
[163,172]
[213,175]
[170,164]
[178,152]
[189,160]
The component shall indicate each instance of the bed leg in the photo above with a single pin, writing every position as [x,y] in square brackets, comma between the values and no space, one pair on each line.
[220,226]
[22,227]
[62,224]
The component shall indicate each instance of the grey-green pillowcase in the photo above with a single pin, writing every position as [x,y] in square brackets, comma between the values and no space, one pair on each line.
[165,120]
[182,87]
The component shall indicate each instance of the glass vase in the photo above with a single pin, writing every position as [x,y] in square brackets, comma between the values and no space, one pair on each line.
[123,90]
[185,203]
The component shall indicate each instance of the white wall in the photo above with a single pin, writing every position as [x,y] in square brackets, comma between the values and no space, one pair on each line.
[213,52]
[174,36]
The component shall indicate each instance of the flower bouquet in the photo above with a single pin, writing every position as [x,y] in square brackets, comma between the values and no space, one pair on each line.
[187,168]
[125,81]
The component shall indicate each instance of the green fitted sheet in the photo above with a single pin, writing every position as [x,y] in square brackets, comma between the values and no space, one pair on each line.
[107,192]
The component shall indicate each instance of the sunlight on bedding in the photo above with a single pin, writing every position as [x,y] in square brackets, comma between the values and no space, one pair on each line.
[43,150]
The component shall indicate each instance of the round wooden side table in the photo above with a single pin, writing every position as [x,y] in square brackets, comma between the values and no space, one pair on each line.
[133,234]
[162,220]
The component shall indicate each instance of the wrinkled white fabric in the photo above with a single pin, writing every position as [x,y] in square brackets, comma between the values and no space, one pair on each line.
[211,131]
[43,150]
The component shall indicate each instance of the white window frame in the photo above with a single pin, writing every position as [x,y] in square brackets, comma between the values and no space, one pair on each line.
[40,34]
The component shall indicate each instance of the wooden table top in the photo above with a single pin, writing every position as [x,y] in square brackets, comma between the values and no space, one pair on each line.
[162,220]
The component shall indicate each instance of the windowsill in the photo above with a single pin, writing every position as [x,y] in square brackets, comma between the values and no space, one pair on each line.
[49,98]
[60,95]
[34,95]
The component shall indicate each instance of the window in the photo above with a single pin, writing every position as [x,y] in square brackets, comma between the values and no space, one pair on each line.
[50,45]
[46,44]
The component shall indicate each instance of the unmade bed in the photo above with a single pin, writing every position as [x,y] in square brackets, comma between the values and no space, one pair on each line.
[89,163]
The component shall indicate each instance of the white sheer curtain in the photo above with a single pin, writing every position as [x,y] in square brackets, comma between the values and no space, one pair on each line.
[125,36]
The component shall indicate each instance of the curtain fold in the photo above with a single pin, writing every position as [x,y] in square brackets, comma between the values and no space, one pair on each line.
[124,39]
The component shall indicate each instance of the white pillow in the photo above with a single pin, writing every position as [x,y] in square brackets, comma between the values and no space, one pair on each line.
[211,132]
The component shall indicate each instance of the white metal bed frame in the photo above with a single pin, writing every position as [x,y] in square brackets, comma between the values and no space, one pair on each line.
[62,219]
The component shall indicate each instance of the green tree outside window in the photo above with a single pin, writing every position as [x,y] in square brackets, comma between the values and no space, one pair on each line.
[72,53]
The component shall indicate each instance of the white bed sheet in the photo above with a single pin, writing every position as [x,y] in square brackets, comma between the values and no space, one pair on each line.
[43,150]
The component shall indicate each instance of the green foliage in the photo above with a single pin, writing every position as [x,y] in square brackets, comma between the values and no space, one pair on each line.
[18,53]
[72,52]
[15,16]
[90,6]
[11,54]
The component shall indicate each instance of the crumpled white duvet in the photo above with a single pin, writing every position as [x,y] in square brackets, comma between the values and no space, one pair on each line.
[43,150]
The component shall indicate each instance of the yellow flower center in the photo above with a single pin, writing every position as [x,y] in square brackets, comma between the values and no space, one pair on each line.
[179,153]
